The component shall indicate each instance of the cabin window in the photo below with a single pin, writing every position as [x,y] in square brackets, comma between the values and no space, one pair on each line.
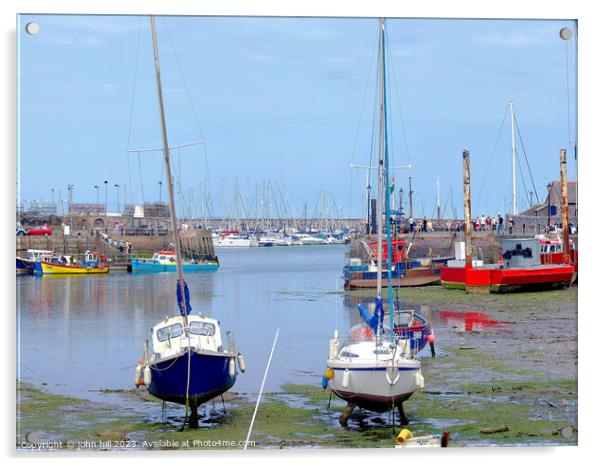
[170,331]
[205,329]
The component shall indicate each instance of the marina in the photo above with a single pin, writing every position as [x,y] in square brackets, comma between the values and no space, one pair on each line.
[271,301]
[467,386]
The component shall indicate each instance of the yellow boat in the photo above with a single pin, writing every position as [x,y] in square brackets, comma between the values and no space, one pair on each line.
[90,265]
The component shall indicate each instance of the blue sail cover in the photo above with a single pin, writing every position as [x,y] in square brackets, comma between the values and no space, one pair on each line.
[373,320]
[179,296]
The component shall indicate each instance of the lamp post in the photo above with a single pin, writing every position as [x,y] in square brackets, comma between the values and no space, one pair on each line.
[106,213]
[70,201]
[97,187]
[117,189]
[160,189]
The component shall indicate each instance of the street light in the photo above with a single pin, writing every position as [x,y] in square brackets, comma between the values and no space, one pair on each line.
[106,213]
[117,188]
[160,188]
[70,200]
[97,187]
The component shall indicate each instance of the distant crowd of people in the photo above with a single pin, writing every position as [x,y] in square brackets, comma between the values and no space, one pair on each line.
[493,224]
[121,246]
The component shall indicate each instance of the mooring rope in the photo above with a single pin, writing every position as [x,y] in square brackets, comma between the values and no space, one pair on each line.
[265,375]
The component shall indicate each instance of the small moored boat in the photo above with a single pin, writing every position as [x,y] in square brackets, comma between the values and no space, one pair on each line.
[165,261]
[91,263]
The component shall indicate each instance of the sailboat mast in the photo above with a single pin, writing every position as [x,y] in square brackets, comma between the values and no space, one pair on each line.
[513,159]
[387,187]
[172,204]
[379,210]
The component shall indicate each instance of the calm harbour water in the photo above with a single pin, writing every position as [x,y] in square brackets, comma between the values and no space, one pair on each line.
[79,335]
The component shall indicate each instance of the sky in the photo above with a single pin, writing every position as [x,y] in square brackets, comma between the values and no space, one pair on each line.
[290,101]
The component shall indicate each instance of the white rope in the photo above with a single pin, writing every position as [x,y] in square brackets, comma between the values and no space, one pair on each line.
[267,368]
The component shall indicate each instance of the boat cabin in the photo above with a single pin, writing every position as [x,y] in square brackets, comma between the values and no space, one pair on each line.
[524,252]
[399,250]
[551,251]
[37,255]
[165,257]
[169,338]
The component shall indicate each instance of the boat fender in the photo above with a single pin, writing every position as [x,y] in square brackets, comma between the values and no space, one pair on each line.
[138,380]
[329,373]
[147,376]
[404,435]
[346,378]
[231,368]
[241,362]
[419,380]
[324,382]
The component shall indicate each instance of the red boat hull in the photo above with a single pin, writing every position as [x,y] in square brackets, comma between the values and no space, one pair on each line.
[500,280]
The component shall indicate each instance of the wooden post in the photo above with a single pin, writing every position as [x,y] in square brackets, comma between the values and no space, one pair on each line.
[564,191]
[467,210]
[411,195]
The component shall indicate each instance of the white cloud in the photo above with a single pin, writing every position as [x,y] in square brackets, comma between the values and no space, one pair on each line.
[56,39]
[519,37]
[109,89]
[109,24]
[92,41]
[260,57]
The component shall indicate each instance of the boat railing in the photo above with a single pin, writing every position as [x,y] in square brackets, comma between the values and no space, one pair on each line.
[385,345]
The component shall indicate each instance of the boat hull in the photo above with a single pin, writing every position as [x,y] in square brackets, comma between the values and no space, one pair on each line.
[505,280]
[209,377]
[368,386]
[418,276]
[49,268]
[382,395]
[139,266]
[24,266]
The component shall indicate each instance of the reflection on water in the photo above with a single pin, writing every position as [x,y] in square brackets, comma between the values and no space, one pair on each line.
[471,321]
[79,334]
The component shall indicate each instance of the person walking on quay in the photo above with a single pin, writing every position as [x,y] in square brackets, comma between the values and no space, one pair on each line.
[412,224]
[478,224]
[488,223]
[129,246]
[424,224]
[500,224]
[120,246]
[510,225]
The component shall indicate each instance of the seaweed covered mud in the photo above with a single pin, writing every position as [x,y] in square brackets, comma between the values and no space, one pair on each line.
[505,374]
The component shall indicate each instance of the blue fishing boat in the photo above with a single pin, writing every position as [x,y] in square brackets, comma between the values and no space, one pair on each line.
[165,261]
[188,362]
[24,266]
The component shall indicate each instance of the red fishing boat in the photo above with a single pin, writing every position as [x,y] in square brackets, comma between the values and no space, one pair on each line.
[522,267]
[552,253]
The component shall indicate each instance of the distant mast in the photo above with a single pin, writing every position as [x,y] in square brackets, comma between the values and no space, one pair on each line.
[172,204]
[512,123]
